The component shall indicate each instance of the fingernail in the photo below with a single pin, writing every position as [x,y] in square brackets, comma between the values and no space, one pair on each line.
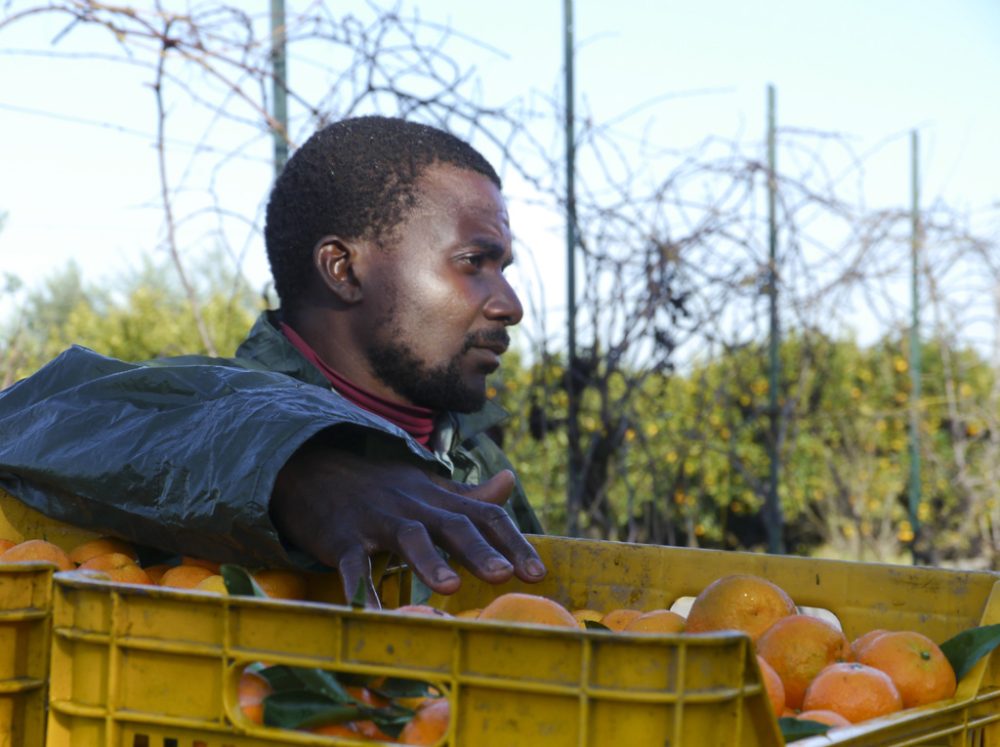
[498,565]
[534,567]
[444,574]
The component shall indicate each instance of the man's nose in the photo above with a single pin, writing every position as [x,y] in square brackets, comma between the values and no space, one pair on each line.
[504,305]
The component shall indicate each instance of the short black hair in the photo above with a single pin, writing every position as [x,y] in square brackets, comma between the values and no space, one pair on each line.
[355,178]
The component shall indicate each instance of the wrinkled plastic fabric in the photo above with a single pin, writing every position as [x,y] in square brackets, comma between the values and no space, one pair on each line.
[181,454]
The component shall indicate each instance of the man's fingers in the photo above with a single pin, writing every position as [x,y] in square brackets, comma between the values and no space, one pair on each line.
[502,533]
[356,574]
[415,546]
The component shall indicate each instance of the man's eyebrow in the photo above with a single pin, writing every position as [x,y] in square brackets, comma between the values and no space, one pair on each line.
[495,249]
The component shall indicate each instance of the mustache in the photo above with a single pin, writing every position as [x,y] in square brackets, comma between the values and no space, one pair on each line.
[489,338]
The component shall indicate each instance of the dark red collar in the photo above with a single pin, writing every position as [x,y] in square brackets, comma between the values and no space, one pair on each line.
[417,421]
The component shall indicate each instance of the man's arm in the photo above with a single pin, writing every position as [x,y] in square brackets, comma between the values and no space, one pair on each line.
[185,458]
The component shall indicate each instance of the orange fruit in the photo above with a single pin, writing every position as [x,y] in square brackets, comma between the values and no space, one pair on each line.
[214,583]
[6,544]
[201,563]
[772,685]
[914,663]
[620,618]
[185,576]
[798,647]
[856,691]
[656,621]
[421,609]
[528,608]
[37,550]
[102,546]
[429,723]
[739,602]
[281,584]
[155,572]
[830,718]
[250,692]
[861,642]
[119,568]
[470,614]
[336,730]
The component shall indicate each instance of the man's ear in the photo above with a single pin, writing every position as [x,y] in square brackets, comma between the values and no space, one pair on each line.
[335,260]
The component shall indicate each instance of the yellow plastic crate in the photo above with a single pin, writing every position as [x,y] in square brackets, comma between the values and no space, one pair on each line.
[25,618]
[134,666]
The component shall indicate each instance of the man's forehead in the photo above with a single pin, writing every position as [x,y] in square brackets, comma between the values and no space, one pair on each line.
[464,188]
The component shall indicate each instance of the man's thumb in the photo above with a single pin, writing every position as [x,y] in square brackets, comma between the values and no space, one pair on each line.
[496,490]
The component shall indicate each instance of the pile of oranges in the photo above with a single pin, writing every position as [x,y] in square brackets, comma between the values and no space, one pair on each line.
[115,560]
[810,669]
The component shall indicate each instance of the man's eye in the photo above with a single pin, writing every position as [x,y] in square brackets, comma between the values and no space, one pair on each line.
[476,260]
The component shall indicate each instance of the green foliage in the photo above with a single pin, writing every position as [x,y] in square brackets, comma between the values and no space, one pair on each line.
[144,315]
[694,461]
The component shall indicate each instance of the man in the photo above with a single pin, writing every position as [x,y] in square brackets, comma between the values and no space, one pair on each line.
[350,421]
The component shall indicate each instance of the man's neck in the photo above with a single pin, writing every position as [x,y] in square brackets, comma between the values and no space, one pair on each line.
[417,421]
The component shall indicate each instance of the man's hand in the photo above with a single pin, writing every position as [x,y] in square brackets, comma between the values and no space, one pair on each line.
[343,508]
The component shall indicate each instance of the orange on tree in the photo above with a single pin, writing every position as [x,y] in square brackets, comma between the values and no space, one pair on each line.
[428,724]
[856,691]
[830,718]
[618,619]
[118,567]
[102,546]
[798,647]
[914,663]
[742,602]
[528,608]
[281,584]
[38,550]
[773,686]
[656,621]
[185,576]
[250,692]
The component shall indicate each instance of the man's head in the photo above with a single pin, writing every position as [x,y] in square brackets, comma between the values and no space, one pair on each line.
[395,277]
[353,179]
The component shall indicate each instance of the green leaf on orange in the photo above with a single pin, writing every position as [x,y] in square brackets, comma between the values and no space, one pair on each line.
[793,729]
[240,582]
[969,646]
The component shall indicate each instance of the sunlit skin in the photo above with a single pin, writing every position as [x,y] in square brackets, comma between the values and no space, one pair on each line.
[433,302]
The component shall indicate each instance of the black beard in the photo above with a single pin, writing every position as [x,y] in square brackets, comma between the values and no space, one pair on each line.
[438,388]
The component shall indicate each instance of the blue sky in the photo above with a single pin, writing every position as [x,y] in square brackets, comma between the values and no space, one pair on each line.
[682,71]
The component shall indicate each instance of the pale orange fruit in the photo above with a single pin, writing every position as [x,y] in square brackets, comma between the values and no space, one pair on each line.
[656,621]
[185,576]
[743,602]
[40,551]
[528,608]
[102,546]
